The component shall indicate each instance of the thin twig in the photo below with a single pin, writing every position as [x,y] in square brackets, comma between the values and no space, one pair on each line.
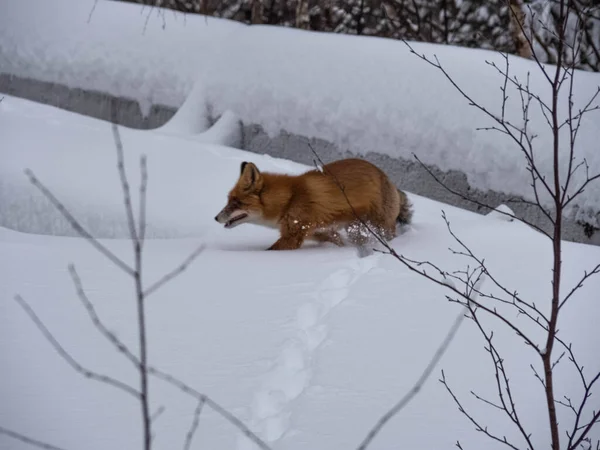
[124,183]
[109,335]
[194,427]
[143,191]
[477,202]
[210,403]
[418,385]
[161,409]
[479,427]
[505,127]
[68,358]
[77,226]
[92,11]
[28,440]
[502,381]
[579,285]
[175,272]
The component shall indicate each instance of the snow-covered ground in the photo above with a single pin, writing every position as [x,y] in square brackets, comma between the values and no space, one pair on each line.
[363,94]
[307,347]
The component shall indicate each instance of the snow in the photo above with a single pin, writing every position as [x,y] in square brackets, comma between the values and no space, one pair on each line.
[133,55]
[503,212]
[364,94]
[308,347]
[104,217]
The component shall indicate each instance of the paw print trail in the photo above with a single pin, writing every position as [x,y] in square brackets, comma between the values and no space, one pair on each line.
[271,408]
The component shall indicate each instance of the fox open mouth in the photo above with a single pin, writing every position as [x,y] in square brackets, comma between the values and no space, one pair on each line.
[235,220]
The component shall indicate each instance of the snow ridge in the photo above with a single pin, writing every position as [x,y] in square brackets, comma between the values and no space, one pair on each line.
[271,411]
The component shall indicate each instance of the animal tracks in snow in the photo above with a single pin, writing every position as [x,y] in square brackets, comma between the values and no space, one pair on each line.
[271,408]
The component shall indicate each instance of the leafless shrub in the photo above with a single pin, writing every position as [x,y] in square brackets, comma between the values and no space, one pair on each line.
[561,188]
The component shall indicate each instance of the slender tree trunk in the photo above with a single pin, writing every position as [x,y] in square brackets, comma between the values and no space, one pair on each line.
[556,240]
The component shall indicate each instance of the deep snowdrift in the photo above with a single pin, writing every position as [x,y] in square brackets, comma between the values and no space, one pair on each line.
[363,94]
[307,347]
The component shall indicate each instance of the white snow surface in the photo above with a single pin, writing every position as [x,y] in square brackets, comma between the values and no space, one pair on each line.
[308,347]
[364,94]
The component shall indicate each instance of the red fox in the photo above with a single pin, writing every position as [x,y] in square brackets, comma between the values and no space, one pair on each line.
[317,205]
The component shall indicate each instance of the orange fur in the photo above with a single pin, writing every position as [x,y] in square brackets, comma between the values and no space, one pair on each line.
[314,206]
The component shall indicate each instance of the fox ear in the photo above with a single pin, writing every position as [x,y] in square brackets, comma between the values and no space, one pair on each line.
[250,176]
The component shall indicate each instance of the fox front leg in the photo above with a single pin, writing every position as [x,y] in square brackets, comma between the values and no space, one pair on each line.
[286,244]
[293,233]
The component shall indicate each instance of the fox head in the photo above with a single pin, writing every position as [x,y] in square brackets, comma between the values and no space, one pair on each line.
[243,202]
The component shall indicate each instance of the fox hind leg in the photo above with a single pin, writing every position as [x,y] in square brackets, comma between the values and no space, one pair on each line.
[328,236]
[359,236]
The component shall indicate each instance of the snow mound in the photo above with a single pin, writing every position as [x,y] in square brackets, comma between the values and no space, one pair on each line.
[502,212]
[308,347]
[125,49]
[67,145]
[363,94]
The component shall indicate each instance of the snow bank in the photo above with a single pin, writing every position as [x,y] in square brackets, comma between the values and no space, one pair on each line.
[66,143]
[124,49]
[309,348]
[363,94]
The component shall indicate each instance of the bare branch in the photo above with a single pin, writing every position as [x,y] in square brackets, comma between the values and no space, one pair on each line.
[478,427]
[194,427]
[579,116]
[211,404]
[579,285]
[545,109]
[175,272]
[586,429]
[555,363]
[161,409]
[537,376]
[28,440]
[502,382]
[68,358]
[506,126]
[110,336]
[143,189]
[567,404]
[570,170]
[418,385]
[92,11]
[517,301]
[77,226]
[124,182]
[574,441]
[476,202]
[579,191]
[488,402]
